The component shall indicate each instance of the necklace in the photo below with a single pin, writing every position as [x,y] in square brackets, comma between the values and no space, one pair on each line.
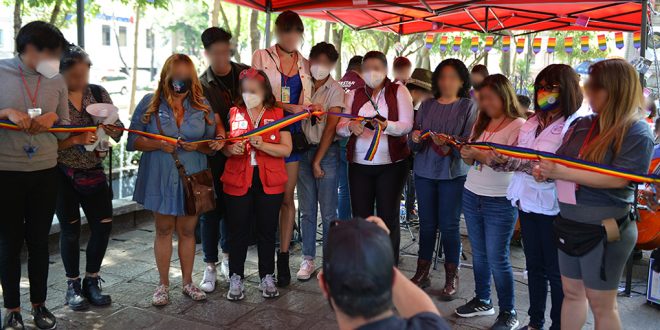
[489,136]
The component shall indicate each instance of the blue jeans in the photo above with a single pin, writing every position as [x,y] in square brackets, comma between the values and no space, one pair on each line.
[490,222]
[313,192]
[439,203]
[213,228]
[542,268]
[344,203]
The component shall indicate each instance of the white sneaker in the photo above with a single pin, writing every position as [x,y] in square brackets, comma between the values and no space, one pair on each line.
[267,287]
[307,268]
[236,288]
[209,279]
[224,268]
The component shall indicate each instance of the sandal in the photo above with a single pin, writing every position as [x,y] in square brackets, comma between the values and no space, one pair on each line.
[161,296]
[194,292]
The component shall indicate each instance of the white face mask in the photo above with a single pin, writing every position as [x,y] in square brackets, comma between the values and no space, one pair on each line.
[373,78]
[49,68]
[251,100]
[319,72]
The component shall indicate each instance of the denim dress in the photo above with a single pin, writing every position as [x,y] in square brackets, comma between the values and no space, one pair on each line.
[158,187]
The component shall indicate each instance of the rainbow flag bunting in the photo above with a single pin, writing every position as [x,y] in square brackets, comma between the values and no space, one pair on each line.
[618,39]
[584,43]
[474,45]
[520,45]
[536,45]
[443,43]
[429,40]
[637,39]
[489,43]
[457,43]
[552,42]
[568,45]
[506,43]
[602,42]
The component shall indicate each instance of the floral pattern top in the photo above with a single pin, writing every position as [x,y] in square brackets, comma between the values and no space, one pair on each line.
[77,156]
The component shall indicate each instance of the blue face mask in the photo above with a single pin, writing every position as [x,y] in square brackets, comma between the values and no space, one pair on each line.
[181,86]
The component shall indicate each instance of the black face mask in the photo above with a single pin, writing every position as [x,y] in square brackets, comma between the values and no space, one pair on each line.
[181,86]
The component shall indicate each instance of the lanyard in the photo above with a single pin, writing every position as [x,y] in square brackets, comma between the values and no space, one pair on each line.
[285,76]
[587,140]
[487,136]
[33,99]
[374,104]
[255,124]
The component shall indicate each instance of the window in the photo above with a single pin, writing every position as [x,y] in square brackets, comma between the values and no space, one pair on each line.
[105,35]
[150,38]
[122,36]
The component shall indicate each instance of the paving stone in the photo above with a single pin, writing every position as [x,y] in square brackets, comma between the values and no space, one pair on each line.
[128,269]
[269,318]
[135,318]
[151,276]
[300,302]
[218,312]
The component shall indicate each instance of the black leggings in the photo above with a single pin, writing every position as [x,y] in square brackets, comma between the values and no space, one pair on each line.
[98,211]
[27,200]
[257,210]
[382,185]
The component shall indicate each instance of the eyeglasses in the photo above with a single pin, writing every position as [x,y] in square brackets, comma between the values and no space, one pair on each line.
[547,88]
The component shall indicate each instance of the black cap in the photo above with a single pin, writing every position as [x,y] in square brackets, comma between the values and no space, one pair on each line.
[358,267]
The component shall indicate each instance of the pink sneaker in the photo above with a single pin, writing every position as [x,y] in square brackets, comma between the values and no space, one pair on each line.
[307,268]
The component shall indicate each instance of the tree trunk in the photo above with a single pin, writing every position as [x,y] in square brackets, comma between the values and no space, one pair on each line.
[121,57]
[18,22]
[255,34]
[423,59]
[237,32]
[138,12]
[215,12]
[224,17]
[57,8]
[337,37]
[326,33]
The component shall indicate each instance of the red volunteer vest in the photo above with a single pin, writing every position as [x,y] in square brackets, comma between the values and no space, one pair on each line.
[398,145]
[237,177]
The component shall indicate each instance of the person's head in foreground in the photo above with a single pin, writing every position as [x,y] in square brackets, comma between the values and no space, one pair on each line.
[362,285]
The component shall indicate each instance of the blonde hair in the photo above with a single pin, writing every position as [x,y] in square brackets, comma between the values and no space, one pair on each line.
[623,106]
[195,95]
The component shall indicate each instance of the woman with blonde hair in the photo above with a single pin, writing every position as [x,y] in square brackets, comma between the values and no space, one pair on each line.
[615,136]
[176,109]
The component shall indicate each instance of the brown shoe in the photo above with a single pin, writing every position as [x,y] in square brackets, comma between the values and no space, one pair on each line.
[421,278]
[448,293]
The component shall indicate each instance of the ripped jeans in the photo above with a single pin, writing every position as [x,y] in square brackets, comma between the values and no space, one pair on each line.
[98,212]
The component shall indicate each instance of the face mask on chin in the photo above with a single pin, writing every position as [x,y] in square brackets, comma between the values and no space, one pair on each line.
[48,68]
[319,72]
[373,78]
[251,100]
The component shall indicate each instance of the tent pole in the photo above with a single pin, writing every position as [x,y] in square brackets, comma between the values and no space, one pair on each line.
[486,27]
[644,34]
[80,22]
[269,7]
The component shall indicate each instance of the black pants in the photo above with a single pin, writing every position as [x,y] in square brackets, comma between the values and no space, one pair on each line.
[382,185]
[97,207]
[27,200]
[257,210]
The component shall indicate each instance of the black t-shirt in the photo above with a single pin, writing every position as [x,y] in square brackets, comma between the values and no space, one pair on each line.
[421,321]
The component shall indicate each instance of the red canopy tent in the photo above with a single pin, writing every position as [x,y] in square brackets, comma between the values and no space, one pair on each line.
[487,16]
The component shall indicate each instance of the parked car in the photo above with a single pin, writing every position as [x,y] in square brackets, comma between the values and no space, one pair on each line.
[116,83]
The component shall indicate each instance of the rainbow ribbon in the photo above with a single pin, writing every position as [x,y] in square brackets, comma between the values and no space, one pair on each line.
[568,45]
[602,42]
[489,43]
[584,43]
[536,45]
[373,147]
[531,154]
[618,39]
[552,42]
[443,43]
[6,124]
[506,43]
[474,44]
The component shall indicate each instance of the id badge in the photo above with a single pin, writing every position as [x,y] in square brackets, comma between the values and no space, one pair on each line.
[34,112]
[478,166]
[286,94]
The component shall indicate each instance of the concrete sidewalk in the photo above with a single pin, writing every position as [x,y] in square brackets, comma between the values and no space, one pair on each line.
[131,277]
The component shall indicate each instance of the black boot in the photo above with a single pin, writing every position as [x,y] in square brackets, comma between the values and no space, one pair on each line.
[43,318]
[92,291]
[74,297]
[13,321]
[283,271]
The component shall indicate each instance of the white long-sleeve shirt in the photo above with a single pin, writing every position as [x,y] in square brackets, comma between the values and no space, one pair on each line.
[400,127]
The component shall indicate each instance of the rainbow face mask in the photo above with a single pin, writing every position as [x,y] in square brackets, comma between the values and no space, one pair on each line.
[547,101]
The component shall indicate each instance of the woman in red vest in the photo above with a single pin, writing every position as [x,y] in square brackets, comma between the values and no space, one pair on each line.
[254,181]
[377,175]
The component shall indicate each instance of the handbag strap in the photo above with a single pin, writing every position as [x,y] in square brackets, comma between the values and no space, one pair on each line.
[177,162]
